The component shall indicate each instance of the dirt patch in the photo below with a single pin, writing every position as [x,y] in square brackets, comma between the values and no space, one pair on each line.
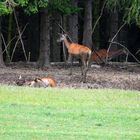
[118,76]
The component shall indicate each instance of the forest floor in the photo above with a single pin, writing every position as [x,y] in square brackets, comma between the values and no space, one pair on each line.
[116,75]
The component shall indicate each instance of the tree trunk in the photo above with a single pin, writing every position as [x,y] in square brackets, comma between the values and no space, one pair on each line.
[87,33]
[114,22]
[9,37]
[96,33]
[55,49]
[65,27]
[44,56]
[73,23]
[124,31]
[1,55]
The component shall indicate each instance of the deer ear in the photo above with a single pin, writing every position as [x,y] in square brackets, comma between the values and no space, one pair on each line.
[60,34]
[37,80]
[20,77]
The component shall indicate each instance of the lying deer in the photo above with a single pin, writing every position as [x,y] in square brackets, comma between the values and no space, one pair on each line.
[38,82]
[42,82]
[102,53]
[81,51]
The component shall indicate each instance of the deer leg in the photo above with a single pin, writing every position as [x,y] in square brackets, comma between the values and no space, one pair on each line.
[83,78]
[83,59]
[85,71]
[81,66]
[84,68]
[71,64]
[84,74]
[88,63]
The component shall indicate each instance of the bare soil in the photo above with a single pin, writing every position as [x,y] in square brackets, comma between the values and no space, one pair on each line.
[119,76]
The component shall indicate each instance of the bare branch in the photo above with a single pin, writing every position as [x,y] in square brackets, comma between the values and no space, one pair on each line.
[113,39]
[19,37]
[63,30]
[102,10]
[64,52]
[9,44]
[138,51]
[126,50]
[5,46]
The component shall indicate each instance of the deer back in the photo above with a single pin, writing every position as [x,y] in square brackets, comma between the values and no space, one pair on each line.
[51,82]
[78,49]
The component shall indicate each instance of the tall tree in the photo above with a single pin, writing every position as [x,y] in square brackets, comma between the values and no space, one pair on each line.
[44,57]
[28,6]
[114,20]
[87,33]
[96,32]
[1,55]
[129,8]
[73,23]
[3,11]
[54,5]
[9,37]
[55,48]
[33,6]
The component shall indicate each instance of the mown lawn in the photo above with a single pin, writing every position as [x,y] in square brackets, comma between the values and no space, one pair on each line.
[68,114]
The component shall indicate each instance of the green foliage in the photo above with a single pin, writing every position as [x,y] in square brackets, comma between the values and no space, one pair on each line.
[4,9]
[63,6]
[22,2]
[33,6]
[130,8]
[68,114]
[29,6]
[134,12]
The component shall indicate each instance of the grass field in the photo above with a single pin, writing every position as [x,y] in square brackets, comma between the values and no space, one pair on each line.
[68,114]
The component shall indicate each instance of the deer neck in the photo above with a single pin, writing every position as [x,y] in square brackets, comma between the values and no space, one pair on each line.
[67,43]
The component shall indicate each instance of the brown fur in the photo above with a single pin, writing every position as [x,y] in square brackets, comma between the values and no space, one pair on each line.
[75,49]
[52,82]
[39,82]
[103,54]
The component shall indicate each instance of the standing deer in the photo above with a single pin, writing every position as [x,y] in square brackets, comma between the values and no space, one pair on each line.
[74,50]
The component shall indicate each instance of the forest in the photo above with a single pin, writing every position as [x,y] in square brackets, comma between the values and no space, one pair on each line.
[70,69]
[30,29]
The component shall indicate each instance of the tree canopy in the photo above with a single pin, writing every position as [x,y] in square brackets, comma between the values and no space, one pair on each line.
[63,6]
[33,6]
[29,6]
[129,8]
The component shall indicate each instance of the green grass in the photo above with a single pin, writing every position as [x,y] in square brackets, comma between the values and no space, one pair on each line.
[68,114]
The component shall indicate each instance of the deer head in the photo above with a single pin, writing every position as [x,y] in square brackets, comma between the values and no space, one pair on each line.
[62,37]
[20,81]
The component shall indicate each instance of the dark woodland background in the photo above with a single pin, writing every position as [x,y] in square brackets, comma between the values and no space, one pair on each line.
[41,32]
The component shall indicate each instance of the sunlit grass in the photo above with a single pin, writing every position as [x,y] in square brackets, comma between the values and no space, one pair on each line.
[60,114]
